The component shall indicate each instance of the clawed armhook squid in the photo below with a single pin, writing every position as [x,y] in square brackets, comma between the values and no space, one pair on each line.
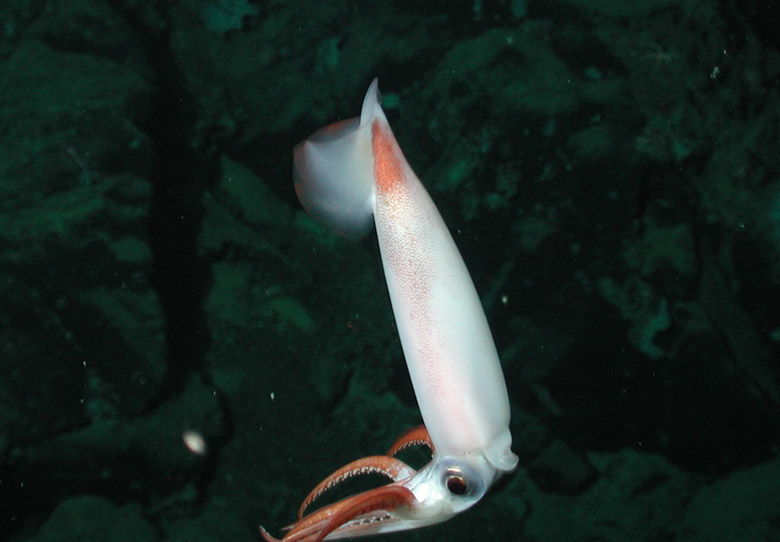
[346,174]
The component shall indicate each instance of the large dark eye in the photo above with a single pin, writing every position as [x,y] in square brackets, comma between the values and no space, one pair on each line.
[456,484]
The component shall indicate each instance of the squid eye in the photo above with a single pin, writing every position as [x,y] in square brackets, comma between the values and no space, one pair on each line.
[456,484]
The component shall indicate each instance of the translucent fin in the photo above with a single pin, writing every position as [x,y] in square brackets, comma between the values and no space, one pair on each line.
[371,103]
[333,172]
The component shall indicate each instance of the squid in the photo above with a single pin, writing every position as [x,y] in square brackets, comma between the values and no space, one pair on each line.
[349,175]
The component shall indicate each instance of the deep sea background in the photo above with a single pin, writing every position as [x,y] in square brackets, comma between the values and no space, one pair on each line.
[610,170]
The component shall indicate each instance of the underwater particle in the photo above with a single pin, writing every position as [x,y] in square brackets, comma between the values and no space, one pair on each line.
[194,442]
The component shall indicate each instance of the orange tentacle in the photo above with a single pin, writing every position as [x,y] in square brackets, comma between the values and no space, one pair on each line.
[394,469]
[318,525]
[416,436]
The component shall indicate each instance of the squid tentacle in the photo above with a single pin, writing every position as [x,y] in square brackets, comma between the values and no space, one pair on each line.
[394,469]
[416,436]
[318,525]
